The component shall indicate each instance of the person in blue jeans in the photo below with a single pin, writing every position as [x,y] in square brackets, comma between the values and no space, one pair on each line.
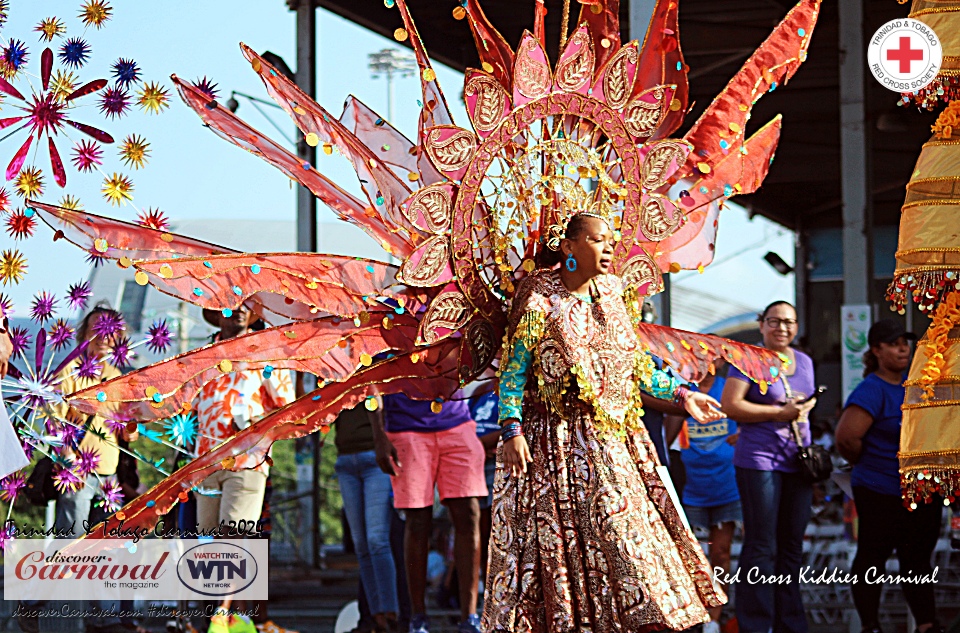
[485,410]
[868,436]
[775,497]
[710,497]
[397,529]
[366,492]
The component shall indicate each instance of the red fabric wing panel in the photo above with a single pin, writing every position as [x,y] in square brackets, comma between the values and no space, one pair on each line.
[724,122]
[691,354]
[603,16]
[330,348]
[738,172]
[122,239]
[226,125]
[428,374]
[661,63]
[384,190]
[329,284]
[491,46]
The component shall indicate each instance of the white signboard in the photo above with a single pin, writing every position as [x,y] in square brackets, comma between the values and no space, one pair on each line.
[855,321]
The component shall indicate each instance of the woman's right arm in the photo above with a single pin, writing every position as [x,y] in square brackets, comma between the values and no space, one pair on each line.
[513,380]
[853,425]
[737,407]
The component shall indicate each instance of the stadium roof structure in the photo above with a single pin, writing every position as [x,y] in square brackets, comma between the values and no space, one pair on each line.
[803,189]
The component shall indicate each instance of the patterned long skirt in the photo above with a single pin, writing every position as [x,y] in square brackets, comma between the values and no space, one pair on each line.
[589,539]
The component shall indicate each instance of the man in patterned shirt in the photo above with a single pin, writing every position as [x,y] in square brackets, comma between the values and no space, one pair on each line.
[225,406]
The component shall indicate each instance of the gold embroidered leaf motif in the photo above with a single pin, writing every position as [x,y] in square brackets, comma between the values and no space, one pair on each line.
[617,82]
[452,153]
[575,71]
[479,344]
[656,164]
[491,99]
[425,272]
[532,76]
[435,204]
[641,269]
[450,311]
[642,118]
[659,218]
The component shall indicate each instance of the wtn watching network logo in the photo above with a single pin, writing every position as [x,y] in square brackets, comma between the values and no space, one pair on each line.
[217,568]
[116,569]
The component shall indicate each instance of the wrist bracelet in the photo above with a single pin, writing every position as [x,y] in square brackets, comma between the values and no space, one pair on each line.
[511,431]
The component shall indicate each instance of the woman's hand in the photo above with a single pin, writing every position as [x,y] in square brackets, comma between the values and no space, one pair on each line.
[703,408]
[795,411]
[516,455]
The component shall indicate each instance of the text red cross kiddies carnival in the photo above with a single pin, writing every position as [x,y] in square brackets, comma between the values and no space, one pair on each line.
[905,54]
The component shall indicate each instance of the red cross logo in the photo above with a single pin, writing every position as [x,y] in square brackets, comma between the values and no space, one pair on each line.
[905,55]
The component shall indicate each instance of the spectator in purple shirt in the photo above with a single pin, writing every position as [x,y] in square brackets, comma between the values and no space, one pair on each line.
[423,451]
[775,498]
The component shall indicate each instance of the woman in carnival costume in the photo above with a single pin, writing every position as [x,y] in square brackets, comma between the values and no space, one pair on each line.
[584,532]
[463,211]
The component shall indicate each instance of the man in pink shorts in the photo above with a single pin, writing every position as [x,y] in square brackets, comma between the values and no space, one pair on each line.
[422,450]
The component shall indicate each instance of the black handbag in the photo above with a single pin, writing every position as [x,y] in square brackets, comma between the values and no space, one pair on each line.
[815,462]
[40,488]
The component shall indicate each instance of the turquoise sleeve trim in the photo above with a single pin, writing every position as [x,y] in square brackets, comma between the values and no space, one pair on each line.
[513,380]
[662,385]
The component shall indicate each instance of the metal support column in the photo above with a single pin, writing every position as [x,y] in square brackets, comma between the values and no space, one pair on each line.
[308,449]
[307,81]
[854,171]
[800,278]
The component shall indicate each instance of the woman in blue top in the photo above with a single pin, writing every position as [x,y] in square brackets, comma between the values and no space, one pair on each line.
[868,436]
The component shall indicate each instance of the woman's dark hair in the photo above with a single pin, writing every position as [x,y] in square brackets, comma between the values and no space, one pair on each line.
[547,258]
[84,328]
[870,363]
[763,315]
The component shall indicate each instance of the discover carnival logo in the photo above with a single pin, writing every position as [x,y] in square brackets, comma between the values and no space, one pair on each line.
[905,55]
[153,569]
[217,568]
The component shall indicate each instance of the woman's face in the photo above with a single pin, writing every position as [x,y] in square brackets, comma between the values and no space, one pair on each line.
[779,327]
[237,323]
[894,356]
[97,346]
[592,248]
